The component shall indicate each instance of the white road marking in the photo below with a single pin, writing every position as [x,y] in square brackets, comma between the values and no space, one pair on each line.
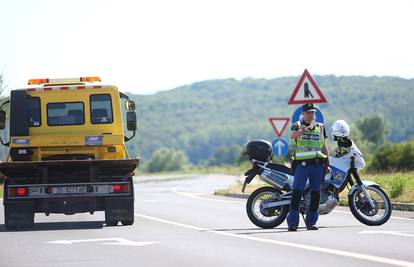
[288,244]
[392,217]
[150,200]
[342,211]
[397,233]
[402,218]
[119,241]
[196,196]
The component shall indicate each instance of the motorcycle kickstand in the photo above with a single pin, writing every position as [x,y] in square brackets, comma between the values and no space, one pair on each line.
[304,220]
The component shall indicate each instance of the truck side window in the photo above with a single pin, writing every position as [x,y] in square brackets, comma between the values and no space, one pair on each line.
[101,109]
[70,113]
[33,111]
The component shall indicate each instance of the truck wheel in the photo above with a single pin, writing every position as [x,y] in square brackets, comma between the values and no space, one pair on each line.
[127,222]
[110,219]
[129,216]
[16,217]
[111,223]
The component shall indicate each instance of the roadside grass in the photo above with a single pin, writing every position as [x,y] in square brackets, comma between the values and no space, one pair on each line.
[1,191]
[236,188]
[399,186]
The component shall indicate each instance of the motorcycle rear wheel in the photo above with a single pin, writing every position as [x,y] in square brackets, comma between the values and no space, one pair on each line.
[265,218]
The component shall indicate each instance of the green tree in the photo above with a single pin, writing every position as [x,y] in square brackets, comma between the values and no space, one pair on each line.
[3,85]
[1,81]
[365,146]
[226,155]
[375,129]
[393,157]
[165,159]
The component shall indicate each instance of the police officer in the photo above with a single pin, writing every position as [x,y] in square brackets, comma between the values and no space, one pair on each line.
[310,161]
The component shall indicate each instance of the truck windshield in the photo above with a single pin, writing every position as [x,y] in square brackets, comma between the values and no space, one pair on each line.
[101,109]
[65,113]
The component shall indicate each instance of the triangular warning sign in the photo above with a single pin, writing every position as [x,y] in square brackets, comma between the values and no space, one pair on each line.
[279,125]
[307,91]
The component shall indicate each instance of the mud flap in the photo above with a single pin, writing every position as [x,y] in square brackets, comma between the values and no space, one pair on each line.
[119,209]
[19,214]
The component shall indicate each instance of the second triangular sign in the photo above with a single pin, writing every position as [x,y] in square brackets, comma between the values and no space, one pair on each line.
[307,91]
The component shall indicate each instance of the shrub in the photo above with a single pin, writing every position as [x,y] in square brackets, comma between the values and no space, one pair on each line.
[165,159]
[397,186]
[394,157]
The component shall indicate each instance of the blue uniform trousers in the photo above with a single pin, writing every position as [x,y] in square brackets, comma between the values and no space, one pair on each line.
[315,174]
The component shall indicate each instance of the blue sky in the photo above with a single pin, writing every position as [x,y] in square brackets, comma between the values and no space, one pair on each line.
[148,46]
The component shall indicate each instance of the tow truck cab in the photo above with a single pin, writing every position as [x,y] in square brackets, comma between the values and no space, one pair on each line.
[67,151]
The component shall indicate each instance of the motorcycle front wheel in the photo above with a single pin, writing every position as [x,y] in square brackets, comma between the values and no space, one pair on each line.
[265,218]
[362,210]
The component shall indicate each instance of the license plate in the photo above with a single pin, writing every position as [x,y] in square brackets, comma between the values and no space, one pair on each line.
[69,190]
[36,191]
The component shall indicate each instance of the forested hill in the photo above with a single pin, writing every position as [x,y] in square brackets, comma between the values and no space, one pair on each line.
[201,117]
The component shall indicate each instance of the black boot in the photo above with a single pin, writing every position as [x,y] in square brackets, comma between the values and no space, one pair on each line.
[292,228]
[294,205]
[311,227]
[314,206]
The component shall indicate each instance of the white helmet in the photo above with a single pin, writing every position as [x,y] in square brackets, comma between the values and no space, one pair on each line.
[340,129]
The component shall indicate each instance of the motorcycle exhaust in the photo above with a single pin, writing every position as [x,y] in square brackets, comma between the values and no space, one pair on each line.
[276,204]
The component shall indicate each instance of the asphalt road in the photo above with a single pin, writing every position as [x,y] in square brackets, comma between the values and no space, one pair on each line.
[179,223]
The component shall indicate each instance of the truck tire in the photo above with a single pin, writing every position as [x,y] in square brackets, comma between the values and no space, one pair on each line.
[127,222]
[110,218]
[111,223]
[129,216]
[17,216]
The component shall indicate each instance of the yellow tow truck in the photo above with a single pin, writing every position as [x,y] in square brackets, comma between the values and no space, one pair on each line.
[67,151]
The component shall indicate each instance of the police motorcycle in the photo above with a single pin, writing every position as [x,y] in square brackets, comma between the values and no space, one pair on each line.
[267,207]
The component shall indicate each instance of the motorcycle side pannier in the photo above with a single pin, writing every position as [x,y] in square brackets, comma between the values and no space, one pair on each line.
[260,150]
